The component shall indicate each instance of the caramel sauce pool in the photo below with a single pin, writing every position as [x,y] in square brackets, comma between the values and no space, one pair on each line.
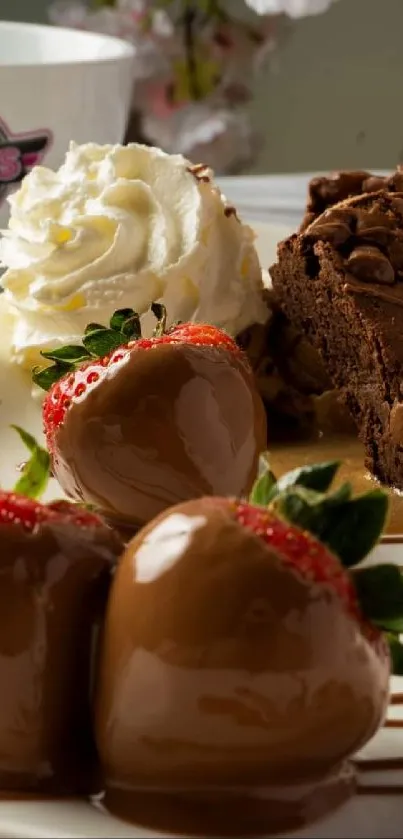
[285,456]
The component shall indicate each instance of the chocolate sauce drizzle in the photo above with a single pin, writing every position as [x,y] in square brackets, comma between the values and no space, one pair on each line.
[382,764]
[396,699]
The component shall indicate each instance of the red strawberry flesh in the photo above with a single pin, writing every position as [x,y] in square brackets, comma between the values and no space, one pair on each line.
[27,513]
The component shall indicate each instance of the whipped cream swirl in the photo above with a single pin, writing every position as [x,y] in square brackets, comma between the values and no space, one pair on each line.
[123,226]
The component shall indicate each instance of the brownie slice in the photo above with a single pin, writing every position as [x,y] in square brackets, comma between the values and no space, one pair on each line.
[289,373]
[325,192]
[341,283]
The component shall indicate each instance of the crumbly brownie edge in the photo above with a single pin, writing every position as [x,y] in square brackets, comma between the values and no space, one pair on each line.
[289,374]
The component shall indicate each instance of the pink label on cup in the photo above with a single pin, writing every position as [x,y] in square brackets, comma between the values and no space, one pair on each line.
[19,153]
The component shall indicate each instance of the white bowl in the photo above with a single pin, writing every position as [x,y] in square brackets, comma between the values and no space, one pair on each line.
[57,85]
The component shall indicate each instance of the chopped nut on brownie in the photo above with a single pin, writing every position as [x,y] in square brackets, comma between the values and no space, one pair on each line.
[328,190]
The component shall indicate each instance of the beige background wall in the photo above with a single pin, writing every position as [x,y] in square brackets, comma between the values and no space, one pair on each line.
[337,96]
[334,94]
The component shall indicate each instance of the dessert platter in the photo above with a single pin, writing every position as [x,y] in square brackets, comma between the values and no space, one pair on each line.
[201,511]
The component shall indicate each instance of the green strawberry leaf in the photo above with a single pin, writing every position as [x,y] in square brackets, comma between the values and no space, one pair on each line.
[70,354]
[160,312]
[131,329]
[380,593]
[47,376]
[318,477]
[101,342]
[127,322]
[92,327]
[396,652]
[391,625]
[120,317]
[311,510]
[350,527]
[357,527]
[36,472]
[98,341]
[261,490]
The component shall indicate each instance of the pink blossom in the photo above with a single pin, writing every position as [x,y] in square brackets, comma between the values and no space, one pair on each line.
[159,101]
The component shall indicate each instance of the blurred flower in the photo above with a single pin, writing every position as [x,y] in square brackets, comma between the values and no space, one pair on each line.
[206,72]
[162,24]
[194,69]
[293,8]
[68,13]
[222,137]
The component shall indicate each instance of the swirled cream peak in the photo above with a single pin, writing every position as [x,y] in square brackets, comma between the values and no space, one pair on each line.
[123,226]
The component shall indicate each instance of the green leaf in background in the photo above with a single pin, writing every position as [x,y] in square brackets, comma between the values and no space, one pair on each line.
[99,3]
[318,477]
[36,472]
[205,77]
[396,652]
[380,593]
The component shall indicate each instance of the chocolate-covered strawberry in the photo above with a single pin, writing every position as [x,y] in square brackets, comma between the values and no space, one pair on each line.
[244,648]
[55,569]
[135,425]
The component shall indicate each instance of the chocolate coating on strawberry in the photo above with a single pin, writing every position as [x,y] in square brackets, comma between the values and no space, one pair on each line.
[157,422]
[55,569]
[235,655]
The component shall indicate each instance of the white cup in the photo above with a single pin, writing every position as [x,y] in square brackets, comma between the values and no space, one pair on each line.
[57,85]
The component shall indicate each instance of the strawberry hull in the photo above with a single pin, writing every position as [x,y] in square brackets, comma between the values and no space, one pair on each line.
[224,670]
[54,584]
[158,426]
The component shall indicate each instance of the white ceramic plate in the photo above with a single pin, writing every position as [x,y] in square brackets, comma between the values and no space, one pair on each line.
[364,817]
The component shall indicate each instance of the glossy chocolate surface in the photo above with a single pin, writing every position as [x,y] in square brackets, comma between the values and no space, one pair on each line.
[223,671]
[235,812]
[53,587]
[163,426]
